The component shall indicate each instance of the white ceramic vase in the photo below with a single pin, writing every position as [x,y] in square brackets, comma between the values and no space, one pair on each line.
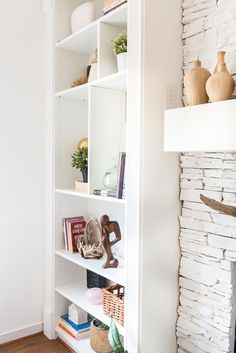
[82,16]
[122,62]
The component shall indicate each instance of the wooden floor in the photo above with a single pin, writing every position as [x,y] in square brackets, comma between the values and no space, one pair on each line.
[34,344]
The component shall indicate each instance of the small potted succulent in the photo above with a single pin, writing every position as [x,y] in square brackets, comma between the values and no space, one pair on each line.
[120,50]
[80,161]
[99,337]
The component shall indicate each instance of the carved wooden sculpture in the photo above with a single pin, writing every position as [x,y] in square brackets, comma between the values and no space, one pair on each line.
[109,227]
[219,206]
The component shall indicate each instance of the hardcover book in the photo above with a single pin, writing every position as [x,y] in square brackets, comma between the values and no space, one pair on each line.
[121,172]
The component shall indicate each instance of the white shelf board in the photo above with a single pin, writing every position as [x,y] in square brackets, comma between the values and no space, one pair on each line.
[116,275]
[80,92]
[117,81]
[72,192]
[80,346]
[205,127]
[83,41]
[76,293]
[116,17]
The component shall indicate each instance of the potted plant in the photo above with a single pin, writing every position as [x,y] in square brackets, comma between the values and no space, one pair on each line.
[120,50]
[114,339]
[99,337]
[80,161]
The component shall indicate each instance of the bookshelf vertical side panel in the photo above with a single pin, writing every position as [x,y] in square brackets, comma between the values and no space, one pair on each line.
[107,59]
[107,114]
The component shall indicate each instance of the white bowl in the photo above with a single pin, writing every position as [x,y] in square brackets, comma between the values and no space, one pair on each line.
[82,16]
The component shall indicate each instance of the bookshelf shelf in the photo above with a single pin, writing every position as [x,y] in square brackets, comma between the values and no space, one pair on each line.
[116,275]
[76,293]
[80,346]
[71,192]
[116,81]
[85,40]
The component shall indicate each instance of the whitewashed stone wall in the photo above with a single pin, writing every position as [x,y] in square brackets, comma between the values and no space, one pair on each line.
[207,308]
[208,251]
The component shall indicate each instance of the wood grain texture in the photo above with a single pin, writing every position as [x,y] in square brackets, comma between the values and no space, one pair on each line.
[34,344]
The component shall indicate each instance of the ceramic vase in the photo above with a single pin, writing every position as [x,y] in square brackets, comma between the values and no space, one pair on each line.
[82,16]
[221,85]
[122,62]
[195,84]
[99,339]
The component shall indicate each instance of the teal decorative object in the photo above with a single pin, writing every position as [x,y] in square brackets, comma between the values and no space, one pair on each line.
[114,338]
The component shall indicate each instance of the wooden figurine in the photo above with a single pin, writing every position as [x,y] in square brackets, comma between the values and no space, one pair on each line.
[109,227]
[220,86]
[195,84]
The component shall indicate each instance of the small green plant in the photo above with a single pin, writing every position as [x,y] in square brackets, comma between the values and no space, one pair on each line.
[114,338]
[120,43]
[100,324]
[80,161]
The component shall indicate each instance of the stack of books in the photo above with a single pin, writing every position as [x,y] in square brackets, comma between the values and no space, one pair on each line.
[73,229]
[73,330]
[110,5]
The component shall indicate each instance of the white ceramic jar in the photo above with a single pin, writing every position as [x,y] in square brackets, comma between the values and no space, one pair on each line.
[82,16]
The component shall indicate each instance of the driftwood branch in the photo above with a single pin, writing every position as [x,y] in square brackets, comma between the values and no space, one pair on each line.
[219,206]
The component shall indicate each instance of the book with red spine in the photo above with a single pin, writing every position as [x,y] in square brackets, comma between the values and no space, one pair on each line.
[76,230]
[67,331]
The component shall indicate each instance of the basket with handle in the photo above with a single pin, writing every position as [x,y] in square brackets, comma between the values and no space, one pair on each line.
[113,302]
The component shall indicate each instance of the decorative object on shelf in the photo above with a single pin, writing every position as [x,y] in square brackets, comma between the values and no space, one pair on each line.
[94,68]
[90,245]
[94,296]
[220,86]
[82,16]
[104,192]
[120,191]
[95,281]
[120,50]
[114,338]
[113,302]
[99,337]
[77,315]
[110,5]
[195,84]
[110,177]
[80,161]
[109,227]
[73,229]
[83,143]
[73,330]
[79,81]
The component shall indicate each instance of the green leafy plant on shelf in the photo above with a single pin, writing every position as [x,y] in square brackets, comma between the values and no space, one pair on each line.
[114,338]
[120,43]
[80,161]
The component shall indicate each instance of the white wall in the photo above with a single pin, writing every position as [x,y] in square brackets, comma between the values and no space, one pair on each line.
[21,176]
[160,176]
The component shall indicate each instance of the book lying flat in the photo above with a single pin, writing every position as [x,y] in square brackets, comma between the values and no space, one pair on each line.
[78,328]
[113,6]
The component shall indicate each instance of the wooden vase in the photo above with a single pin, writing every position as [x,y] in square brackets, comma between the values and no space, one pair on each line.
[195,84]
[99,339]
[220,86]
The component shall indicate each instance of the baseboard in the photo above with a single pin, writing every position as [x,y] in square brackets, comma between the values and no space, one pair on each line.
[20,333]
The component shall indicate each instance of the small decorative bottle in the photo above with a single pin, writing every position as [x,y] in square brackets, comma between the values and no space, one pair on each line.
[195,84]
[220,86]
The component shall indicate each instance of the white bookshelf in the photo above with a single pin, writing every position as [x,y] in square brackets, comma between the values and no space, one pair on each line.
[96,110]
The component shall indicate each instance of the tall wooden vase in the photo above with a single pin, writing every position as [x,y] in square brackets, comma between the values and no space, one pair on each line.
[195,84]
[220,86]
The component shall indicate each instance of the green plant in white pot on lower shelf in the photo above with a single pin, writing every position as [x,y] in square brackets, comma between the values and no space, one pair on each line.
[120,50]
[114,339]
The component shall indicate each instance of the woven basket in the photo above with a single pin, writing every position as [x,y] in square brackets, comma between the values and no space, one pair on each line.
[113,302]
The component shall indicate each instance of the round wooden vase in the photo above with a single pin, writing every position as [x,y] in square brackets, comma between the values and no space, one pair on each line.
[195,84]
[99,339]
[220,86]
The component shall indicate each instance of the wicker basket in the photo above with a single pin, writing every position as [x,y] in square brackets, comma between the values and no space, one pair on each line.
[113,303]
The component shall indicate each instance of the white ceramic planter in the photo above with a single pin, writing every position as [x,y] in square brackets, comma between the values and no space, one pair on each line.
[122,62]
[82,16]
